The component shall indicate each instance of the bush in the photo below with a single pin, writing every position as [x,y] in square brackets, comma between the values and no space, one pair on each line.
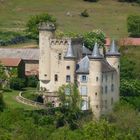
[17,83]
[32,81]
[84,13]
[10,38]
[2,104]
[133,25]
[32,24]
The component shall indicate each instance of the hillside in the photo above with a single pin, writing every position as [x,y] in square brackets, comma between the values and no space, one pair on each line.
[107,15]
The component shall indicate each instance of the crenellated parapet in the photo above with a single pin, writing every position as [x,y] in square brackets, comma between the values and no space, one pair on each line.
[59,41]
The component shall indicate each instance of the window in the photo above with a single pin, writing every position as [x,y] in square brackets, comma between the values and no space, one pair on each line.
[112,101]
[68,67]
[59,56]
[105,103]
[67,91]
[45,75]
[102,78]
[97,106]
[55,77]
[106,77]
[83,78]
[112,77]
[112,87]
[83,90]
[105,89]
[97,79]
[67,78]
[96,93]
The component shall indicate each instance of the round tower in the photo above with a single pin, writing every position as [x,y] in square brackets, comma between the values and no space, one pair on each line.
[95,81]
[70,64]
[113,57]
[46,31]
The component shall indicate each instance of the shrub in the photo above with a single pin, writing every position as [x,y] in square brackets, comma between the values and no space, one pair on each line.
[133,25]
[32,81]
[85,13]
[17,83]
[32,24]
[2,104]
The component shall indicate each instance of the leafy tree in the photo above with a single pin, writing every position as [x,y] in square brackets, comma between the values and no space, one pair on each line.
[133,25]
[70,111]
[32,81]
[90,38]
[32,24]
[17,83]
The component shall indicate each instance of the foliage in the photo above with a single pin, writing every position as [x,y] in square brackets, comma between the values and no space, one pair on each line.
[127,68]
[2,103]
[32,81]
[69,111]
[17,83]
[130,88]
[85,13]
[133,25]
[94,36]
[10,38]
[32,24]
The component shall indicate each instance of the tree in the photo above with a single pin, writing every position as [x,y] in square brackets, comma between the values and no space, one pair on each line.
[33,23]
[2,104]
[133,25]
[69,111]
[90,38]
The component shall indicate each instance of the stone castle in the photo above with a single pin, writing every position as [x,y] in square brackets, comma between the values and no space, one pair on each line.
[64,61]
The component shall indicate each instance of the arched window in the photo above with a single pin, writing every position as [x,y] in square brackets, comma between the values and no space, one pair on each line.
[97,79]
[68,78]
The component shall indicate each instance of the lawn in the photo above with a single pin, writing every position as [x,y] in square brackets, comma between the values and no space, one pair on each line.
[10,100]
[107,15]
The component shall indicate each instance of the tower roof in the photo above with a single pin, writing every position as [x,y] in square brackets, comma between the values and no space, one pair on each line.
[113,51]
[96,53]
[69,53]
[48,26]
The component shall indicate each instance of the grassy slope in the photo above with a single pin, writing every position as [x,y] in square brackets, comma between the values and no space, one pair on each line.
[10,99]
[108,15]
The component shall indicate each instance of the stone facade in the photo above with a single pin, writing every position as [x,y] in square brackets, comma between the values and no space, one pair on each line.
[63,61]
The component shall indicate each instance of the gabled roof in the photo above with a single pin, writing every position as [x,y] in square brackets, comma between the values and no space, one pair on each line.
[10,62]
[25,54]
[83,65]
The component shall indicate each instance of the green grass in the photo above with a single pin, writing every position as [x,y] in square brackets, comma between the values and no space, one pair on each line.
[10,100]
[107,15]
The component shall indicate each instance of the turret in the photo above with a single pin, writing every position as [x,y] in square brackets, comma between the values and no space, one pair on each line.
[113,57]
[46,31]
[95,74]
[70,64]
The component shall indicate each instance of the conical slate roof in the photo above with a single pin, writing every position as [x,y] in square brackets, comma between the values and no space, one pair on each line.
[96,53]
[69,53]
[113,51]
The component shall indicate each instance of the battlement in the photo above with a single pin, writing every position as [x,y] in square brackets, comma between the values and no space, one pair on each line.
[48,26]
[59,41]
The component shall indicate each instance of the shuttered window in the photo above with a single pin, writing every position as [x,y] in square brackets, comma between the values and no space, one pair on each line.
[83,90]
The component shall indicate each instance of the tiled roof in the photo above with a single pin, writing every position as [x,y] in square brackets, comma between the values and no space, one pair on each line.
[25,54]
[130,41]
[10,62]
